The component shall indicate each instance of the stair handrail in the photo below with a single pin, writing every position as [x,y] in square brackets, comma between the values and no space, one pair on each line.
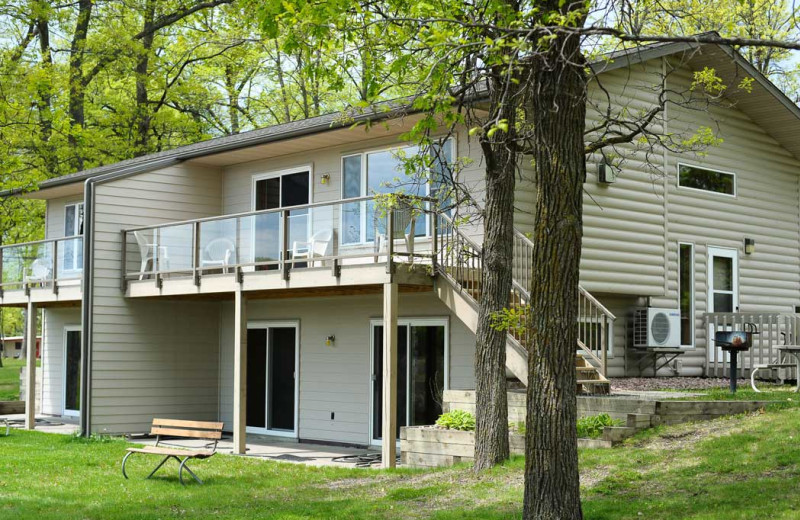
[594,319]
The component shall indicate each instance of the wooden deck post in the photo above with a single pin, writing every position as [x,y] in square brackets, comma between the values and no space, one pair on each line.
[240,373]
[389,434]
[30,376]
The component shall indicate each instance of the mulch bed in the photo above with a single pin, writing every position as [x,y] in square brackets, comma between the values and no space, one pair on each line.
[623,384]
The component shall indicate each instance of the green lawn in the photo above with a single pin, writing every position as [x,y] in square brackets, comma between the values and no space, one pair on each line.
[737,468]
[9,379]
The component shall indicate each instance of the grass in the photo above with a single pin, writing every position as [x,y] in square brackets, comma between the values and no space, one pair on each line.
[9,379]
[738,468]
[783,393]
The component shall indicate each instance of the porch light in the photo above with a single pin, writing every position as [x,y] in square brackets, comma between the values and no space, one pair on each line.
[326,178]
[330,340]
[749,246]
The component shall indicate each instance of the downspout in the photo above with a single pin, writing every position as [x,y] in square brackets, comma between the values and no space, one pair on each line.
[87,283]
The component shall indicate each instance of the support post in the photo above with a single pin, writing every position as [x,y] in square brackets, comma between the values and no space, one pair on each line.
[389,433]
[30,376]
[240,373]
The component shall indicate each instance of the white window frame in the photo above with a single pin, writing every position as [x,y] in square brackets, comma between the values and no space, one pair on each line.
[363,190]
[722,252]
[76,232]
[408,322]
[715,170]
[270,324]
[692,287]
[64,410]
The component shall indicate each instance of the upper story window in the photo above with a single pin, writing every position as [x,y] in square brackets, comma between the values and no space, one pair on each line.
[383,171]
[704,179]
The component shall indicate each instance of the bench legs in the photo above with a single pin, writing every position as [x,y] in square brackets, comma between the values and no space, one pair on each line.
[182,467]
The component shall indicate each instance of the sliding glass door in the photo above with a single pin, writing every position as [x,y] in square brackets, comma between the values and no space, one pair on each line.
[422,354]
[72,370]
[272,365]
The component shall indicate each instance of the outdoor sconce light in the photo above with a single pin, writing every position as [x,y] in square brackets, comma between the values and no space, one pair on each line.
[326,178]
[330,340]
[607,173]
[749,246]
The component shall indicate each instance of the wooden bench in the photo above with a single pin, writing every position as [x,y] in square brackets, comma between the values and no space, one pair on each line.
[210,431]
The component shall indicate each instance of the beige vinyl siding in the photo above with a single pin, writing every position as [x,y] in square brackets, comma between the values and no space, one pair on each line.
[150,358]
[337,379]
[55,319]
[55,215]
[766,208]
[623,241]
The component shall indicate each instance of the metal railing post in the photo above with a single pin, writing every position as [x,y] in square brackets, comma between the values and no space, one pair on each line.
[285,244]
[55,267]
[434,240]
[390,239]
[196,253]
[124,262]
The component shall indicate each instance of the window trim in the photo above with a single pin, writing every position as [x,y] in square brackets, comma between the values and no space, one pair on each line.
[715,170]
[693,298]
[363,188]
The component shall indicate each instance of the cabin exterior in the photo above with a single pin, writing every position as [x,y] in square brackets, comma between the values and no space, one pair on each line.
[250,280]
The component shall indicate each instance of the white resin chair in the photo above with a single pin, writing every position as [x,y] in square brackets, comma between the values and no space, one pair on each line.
[320,244]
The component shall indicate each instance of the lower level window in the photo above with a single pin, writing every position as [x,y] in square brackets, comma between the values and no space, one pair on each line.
[686,292]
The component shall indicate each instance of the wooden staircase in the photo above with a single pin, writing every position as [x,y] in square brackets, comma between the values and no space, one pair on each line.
[459,264]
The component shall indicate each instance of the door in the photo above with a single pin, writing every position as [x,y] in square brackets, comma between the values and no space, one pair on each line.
[723,286]
[72,371]
[272,366]
[274,191]
[72,259]
[422,352]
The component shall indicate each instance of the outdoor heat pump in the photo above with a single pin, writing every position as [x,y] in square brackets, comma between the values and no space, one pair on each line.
[656,328]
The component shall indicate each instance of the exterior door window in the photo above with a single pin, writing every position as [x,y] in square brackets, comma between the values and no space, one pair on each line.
[72,371]
[280,191]
[723,285]
[272,379]
[421,358]
[73,227]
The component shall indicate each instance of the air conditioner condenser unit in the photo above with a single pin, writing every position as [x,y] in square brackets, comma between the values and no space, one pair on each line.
[656,328]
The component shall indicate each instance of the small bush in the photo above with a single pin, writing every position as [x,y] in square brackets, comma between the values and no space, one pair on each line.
[592,426]
[457,420]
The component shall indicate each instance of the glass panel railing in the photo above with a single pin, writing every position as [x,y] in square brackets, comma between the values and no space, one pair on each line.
[69,261]
[307,236]
[45,263]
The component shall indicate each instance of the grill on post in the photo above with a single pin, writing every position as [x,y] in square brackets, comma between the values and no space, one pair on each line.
[733,342]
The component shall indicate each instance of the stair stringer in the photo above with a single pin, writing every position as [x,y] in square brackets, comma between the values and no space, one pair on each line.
[466,310]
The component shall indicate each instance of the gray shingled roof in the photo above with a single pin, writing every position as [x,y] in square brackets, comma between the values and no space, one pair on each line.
[273,133]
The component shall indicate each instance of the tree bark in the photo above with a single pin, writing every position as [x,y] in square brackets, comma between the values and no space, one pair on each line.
[491,386]
[77,83]
[143,117]
[556,109]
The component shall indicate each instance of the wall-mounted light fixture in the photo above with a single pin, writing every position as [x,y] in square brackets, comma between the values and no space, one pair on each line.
[326,178]
[330,340]
[607,173]
[749,246]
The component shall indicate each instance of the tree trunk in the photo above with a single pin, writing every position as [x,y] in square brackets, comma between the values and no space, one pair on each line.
[77,83]
[491,388]
[143,117]
[557,112]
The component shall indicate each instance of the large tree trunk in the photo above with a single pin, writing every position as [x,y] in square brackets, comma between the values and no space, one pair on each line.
[77,84]
[143,117]
[557,110]
[491,397]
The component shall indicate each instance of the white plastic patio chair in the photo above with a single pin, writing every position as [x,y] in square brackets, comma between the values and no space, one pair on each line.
[146,251]
[403,216]
[40,272]
[218,253]
[320,244]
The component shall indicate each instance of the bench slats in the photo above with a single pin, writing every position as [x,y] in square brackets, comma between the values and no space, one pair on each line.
[195,434]
[196,425]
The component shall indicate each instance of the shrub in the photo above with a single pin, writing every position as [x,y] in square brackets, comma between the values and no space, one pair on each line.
[592,426]
[457,420]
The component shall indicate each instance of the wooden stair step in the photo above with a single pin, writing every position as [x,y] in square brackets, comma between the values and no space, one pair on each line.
[592,382]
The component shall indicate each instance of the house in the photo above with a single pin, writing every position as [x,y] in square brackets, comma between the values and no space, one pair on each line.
[11,346]
[250,279]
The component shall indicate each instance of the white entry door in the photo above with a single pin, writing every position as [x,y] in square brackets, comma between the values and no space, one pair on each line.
[72,370]
[723,286]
